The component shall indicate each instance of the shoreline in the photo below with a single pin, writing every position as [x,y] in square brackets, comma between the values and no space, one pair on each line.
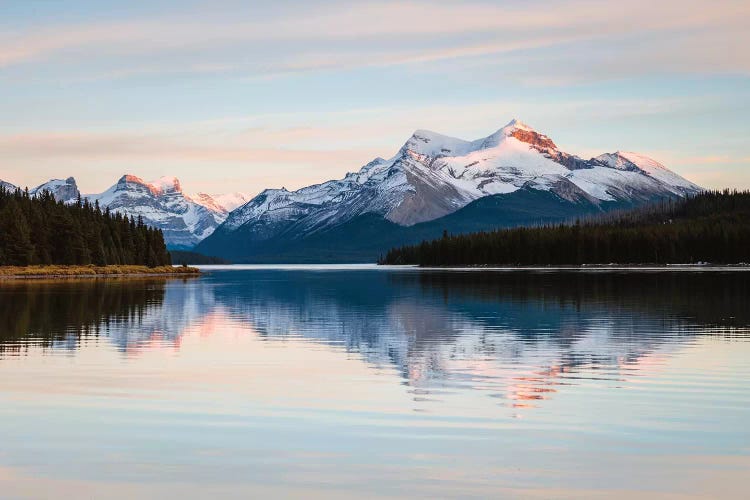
[417,268]
[590,267]
[65,272]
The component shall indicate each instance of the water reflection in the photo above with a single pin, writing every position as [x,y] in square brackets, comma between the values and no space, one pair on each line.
[129,313]
[377,383]
[517,336]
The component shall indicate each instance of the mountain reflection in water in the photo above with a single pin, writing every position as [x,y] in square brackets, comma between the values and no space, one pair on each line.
[318,382]
[516,335]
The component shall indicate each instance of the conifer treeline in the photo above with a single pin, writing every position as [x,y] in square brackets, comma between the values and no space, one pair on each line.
[39,230]
[712,226]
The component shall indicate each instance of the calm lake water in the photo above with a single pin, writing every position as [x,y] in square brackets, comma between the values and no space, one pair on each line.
[342,382]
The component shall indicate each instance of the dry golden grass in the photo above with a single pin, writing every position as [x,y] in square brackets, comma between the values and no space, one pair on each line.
[72,271]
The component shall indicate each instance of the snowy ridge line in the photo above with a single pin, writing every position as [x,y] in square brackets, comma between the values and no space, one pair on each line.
[433,175]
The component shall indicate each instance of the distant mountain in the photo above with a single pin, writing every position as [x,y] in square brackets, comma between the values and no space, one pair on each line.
[229,201]
[65,190]
[7,185]
[220,203]
[515,176]
[184,220]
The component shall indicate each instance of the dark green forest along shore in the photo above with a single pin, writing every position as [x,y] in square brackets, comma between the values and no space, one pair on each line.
[40,231]
[713,226]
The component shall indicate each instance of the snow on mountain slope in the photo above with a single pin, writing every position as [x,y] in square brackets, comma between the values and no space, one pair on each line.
[230,201]
[162,204]
[7,185]
[433,175]
[220,203]
[64,190]
[649,166]
[185,219]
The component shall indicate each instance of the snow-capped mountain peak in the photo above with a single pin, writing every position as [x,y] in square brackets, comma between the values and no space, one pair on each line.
[435,145]
[230,201]
[65,190]
[434,175]
[185,220]
[168,184]
[220,203]
[428,143]
[132,183]
[519,131]
[626,160]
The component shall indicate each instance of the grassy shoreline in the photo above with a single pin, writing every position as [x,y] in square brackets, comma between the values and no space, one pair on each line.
[20,272]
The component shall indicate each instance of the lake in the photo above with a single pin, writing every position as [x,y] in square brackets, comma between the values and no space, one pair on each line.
[359,381]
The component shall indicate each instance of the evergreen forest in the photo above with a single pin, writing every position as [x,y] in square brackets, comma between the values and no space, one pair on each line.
[712,226]
[38,230]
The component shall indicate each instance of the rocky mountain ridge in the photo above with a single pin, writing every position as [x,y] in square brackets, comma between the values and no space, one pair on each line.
[433,176]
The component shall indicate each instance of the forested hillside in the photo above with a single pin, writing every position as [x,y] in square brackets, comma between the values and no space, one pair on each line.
[39,230]
[707,227]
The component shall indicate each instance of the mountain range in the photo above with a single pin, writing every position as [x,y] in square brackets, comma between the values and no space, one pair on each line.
[185,219]
[434,183]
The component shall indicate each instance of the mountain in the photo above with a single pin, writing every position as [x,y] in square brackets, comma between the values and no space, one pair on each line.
[62,189]
[229,201]
[220,203]
[515,176]
[65,190]
[184,220]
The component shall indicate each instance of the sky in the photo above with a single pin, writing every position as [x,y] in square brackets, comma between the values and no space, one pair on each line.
[232,95]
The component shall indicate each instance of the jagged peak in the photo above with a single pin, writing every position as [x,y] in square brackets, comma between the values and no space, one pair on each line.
[430,143]
[516,123]
[70,181]
[376,161]
[131,179]
[167,184]
[63,189]
[54,184]
[519,131]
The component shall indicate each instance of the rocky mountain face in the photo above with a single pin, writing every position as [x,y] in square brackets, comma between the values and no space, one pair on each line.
[433,177]
[185,220]
[65,190]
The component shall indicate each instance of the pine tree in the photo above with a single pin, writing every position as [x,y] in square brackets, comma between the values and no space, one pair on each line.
[15,236]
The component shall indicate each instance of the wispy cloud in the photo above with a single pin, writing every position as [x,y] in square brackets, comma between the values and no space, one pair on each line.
[342,36]
[155,94]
